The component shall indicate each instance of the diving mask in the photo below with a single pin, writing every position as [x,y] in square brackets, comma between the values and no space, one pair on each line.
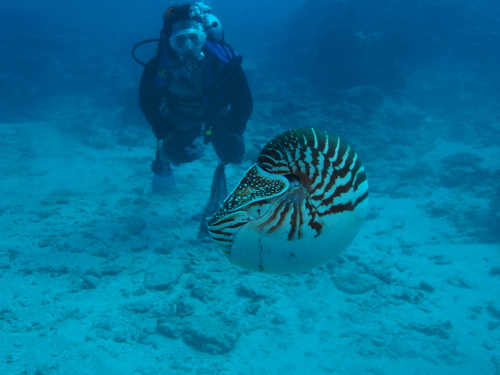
[188,40]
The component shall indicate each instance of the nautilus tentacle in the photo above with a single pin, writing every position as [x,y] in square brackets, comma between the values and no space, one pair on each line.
[298,207]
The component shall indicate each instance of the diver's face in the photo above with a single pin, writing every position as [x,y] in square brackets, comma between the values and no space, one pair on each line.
[187,38]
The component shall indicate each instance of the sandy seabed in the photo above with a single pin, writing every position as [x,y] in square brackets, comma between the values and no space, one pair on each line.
[99,276]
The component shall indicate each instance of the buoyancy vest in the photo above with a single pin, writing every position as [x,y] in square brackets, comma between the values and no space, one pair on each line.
[218,56]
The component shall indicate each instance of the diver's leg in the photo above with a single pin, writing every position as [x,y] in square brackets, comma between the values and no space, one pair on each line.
[180,146]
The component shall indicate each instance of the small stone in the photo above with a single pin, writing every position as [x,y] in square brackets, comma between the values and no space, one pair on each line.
[135,225]
[58,197]
[252,309]
[214,338]
[164,250]
[139,292]
[141,306]
[459,282]
[352,283]
[121,336]
[202,293]
[43,243]
[169,329]
[462,159]
[113,270]
[278,320]
[245,292]
[94,272]
[494,312]
[182,309]
[440,260]
[426,287]
[409,296]
[489,345]
[378,341]
[495,271]
[163,275]
[433,330]
[90,282]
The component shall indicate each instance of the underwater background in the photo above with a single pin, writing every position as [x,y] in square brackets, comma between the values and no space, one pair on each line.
[99,276]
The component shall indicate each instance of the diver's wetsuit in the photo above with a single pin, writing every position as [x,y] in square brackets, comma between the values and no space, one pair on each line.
[213,100]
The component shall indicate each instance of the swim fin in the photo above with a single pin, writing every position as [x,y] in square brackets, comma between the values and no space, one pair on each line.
[217,196]
[163,183]
[163,174]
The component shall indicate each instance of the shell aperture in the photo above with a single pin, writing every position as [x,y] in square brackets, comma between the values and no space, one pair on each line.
[297,208]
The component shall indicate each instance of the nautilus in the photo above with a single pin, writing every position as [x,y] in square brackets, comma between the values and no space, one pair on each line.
[296,208]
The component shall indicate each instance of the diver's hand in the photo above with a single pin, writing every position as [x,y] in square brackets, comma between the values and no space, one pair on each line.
[229,147]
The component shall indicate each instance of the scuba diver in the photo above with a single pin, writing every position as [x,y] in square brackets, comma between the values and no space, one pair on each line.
[194,87]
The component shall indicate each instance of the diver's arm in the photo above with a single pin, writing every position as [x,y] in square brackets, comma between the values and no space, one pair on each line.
[150,99]
[242,103]
[228,139]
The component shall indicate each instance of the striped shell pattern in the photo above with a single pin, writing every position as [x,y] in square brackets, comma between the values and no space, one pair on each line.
[297,208]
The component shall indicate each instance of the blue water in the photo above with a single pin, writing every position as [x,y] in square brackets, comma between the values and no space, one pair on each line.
[98,276]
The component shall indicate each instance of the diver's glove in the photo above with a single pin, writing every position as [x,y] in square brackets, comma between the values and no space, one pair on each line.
[160,168]
[229,147]
[179,155]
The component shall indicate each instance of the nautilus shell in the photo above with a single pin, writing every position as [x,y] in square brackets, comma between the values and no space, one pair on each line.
[297,208]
